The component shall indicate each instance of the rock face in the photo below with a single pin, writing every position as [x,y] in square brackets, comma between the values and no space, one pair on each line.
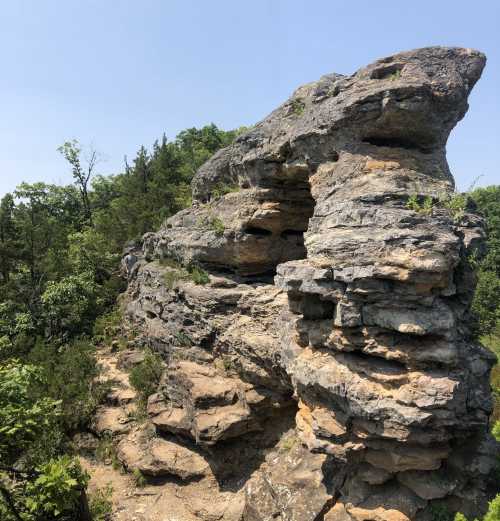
[364,328]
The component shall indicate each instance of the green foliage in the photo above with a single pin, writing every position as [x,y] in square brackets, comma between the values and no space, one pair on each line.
[486,303]
[459,517]
[106,452]
[139,479]
[70,373]
[57,489]
[183,339]
[177,272]
[145,376]
[424,207]
[456,203]
[493,513]
[215,224]
[100,504]
[59,253]
[440,513]
[198,275]
[297,106]
[496,430]
[71,304]
[24,416]
[488,202]
[222,189]
[108,326]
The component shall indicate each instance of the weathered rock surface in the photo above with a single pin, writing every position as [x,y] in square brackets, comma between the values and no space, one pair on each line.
[365,328]
[155,457]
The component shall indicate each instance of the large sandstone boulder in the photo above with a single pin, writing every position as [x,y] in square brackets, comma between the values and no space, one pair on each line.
[342,195]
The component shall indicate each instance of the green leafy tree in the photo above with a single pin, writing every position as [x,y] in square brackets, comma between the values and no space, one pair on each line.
[8,238]
[71,304]
[71,151]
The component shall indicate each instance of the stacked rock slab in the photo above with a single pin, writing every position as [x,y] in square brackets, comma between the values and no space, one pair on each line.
[393,399]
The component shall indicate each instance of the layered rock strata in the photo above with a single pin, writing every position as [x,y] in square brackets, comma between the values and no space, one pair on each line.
[343,194]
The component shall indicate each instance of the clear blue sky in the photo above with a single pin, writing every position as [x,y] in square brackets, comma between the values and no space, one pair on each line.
[119,73]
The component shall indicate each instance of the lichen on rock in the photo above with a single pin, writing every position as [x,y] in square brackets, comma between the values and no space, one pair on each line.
[330,295]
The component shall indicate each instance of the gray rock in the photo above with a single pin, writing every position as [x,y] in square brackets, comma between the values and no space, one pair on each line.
[367,323]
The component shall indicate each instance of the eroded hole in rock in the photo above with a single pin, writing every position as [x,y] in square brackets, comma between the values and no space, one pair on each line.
[313,308]
[408,144]
[258,232]
[291,234]
[387,71]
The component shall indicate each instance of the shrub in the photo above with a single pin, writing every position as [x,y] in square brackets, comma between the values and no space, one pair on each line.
[145,376]
[108,326]
[493,513]
[24,414]
[183,339]
[57,491]
[440,513]
[70,374]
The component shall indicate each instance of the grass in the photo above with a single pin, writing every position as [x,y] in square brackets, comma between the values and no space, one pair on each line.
[456,204]
[288,443]
[100,505]
[225,365]
[413,203]
[178,272]
[106,453]
[183,339]
[215,224]
[139,479]
[221,189]
[199,276]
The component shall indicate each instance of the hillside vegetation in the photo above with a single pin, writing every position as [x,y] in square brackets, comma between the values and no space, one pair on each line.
[59,256]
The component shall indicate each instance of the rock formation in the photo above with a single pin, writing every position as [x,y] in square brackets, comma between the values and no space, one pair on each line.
[335,315]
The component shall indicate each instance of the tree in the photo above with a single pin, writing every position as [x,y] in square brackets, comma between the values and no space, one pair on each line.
[8,237]
[71,151]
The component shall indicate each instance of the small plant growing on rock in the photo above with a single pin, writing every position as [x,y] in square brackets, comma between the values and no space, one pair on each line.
[221,189]
[297,106]
[456,204]
[425,207]
[288,443]
[198,275]
[139,479]
[106,452]
[183,339]
[217,226]
[172,277]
